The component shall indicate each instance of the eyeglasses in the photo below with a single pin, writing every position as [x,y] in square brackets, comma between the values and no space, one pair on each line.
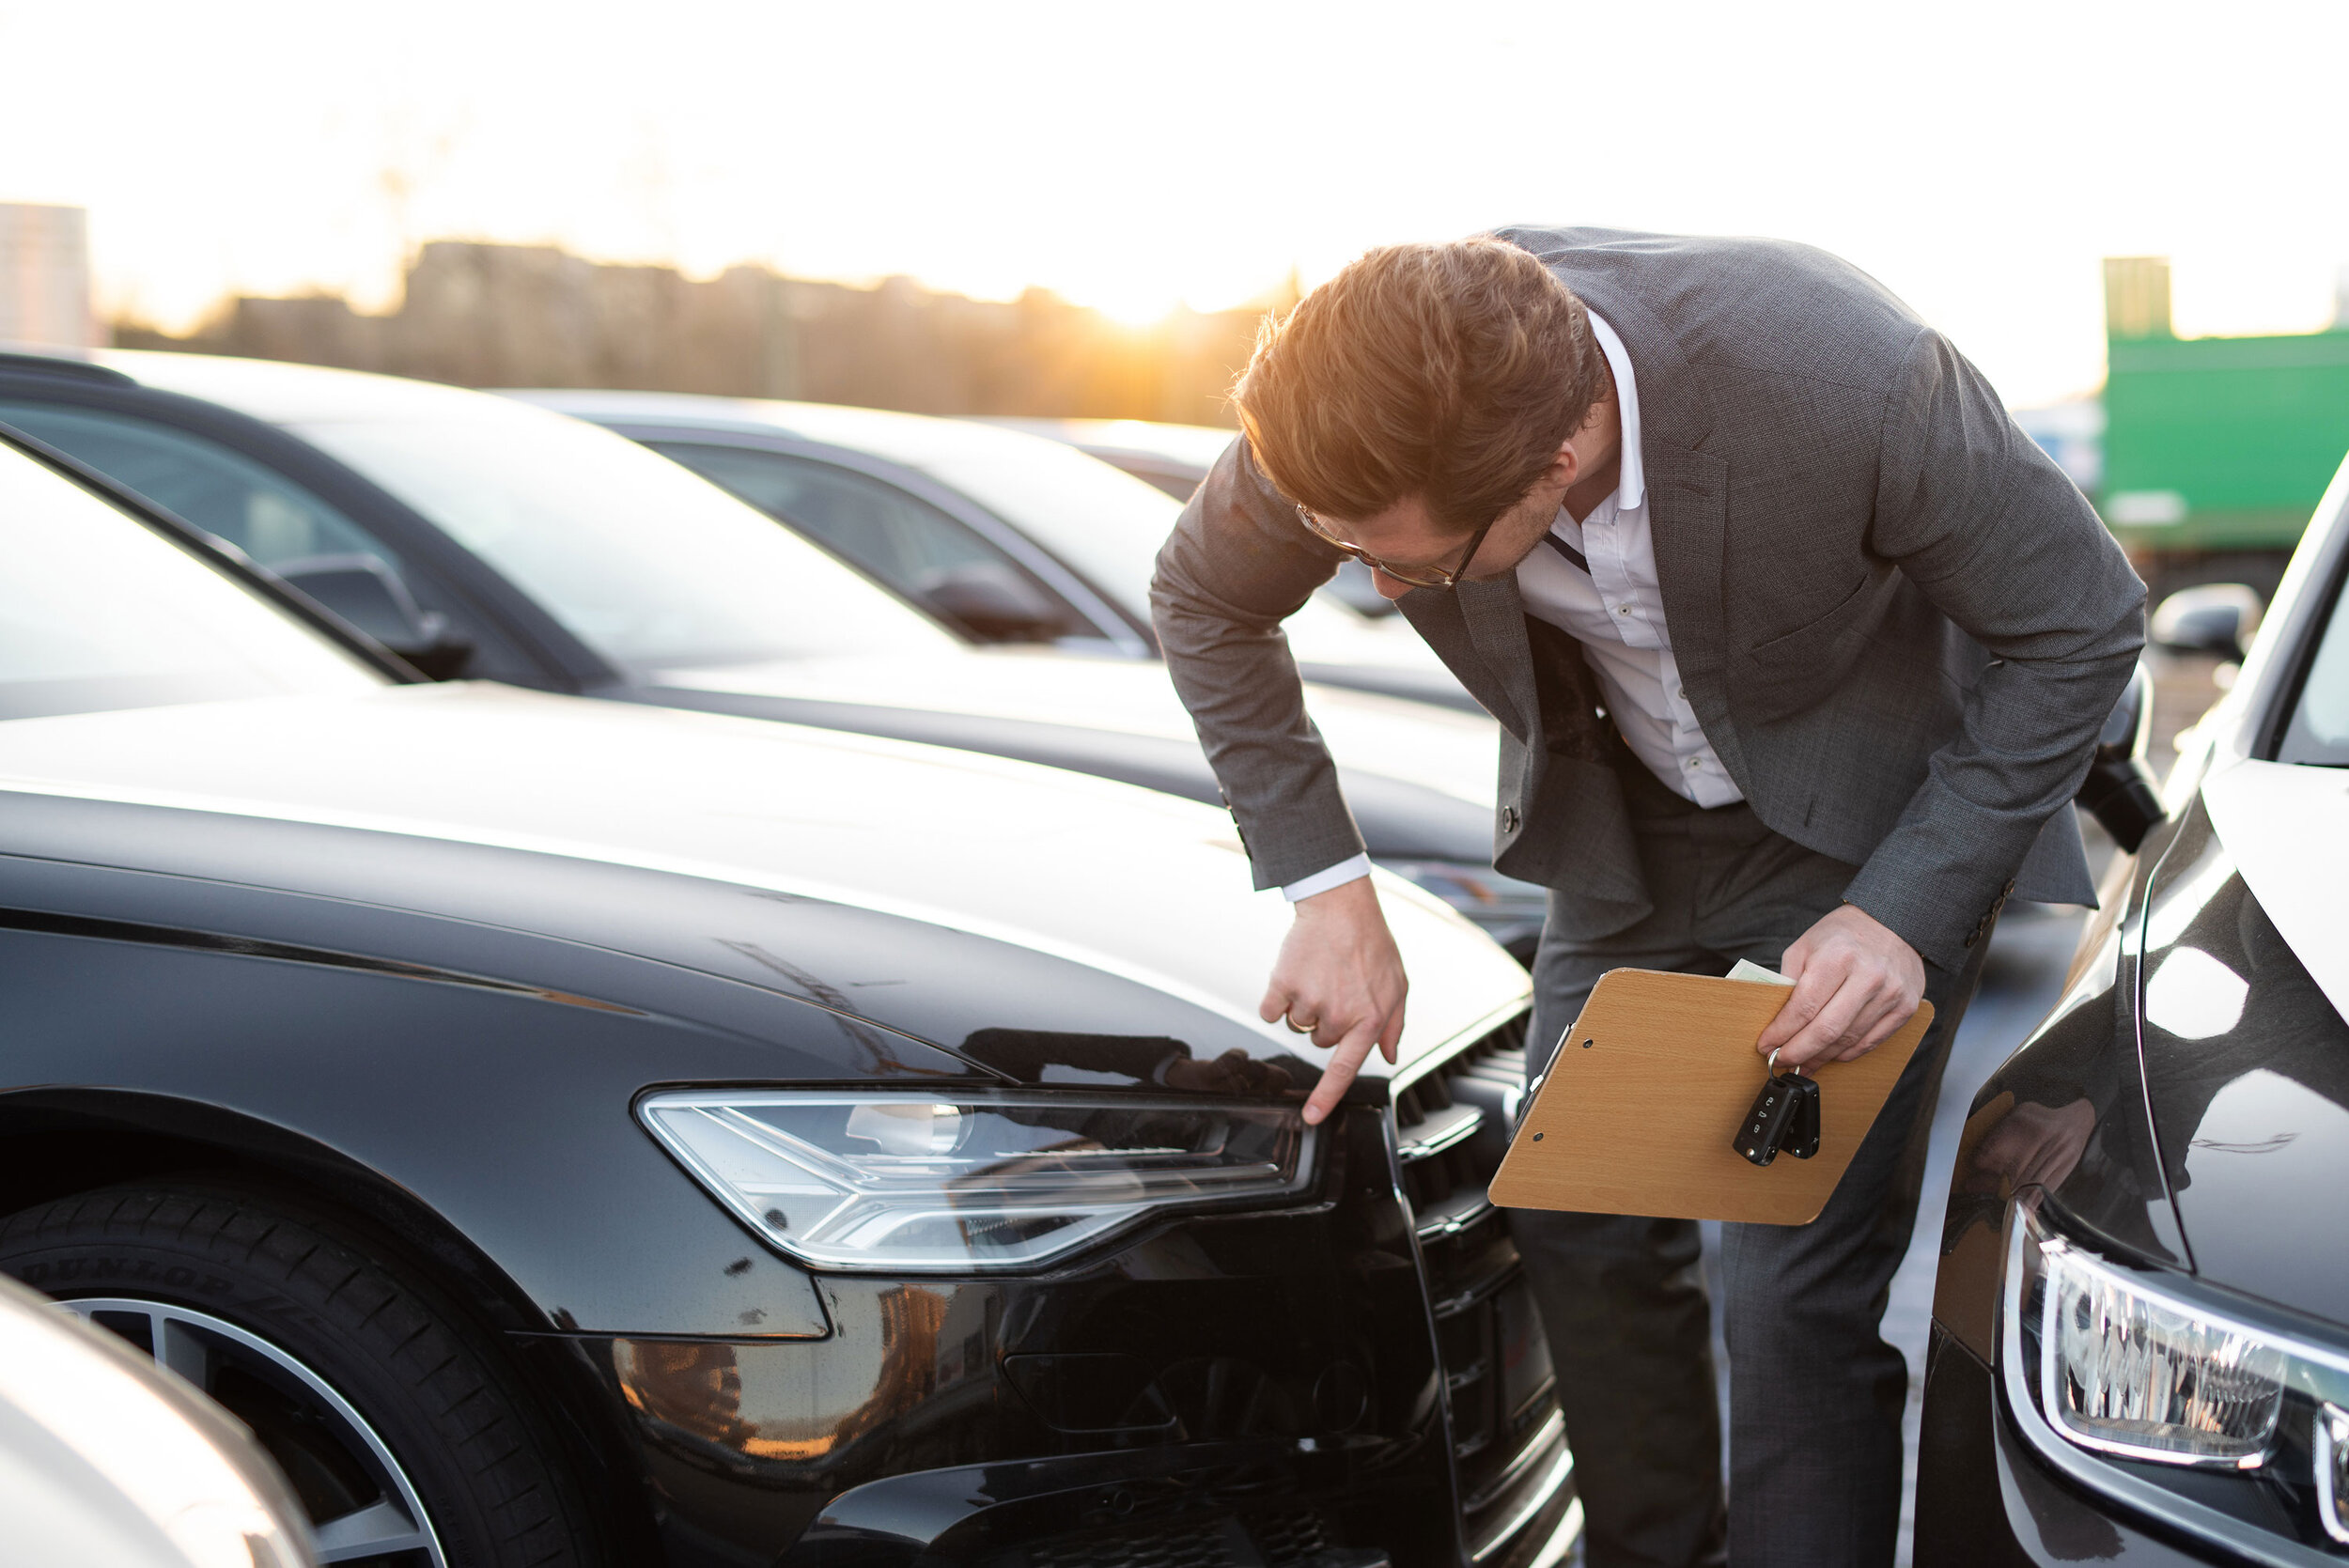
[1418,577]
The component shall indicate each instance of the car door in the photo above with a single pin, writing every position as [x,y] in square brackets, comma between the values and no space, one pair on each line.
[916,550]
[285,528]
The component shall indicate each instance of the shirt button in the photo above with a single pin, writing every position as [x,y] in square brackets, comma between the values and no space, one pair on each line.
[1695,763]
[1623,610]
[1508,819]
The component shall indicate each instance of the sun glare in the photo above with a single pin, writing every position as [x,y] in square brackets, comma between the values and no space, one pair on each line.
[1132,306]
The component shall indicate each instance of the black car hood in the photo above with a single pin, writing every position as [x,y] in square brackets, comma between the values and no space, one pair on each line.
[688,864]
[2245,1047]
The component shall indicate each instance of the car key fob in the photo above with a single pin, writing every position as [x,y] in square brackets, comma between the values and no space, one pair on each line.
[1761,1134]
[1801,1138]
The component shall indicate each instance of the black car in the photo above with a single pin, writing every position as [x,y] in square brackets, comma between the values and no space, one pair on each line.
[2140,1336]
[485,539]
[577,1132]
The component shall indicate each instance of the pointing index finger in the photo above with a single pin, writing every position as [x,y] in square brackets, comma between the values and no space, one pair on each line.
[1344,1061]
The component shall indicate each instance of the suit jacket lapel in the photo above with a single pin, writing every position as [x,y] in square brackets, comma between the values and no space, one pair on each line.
[1496,625]
[1444,620]
[1687,498]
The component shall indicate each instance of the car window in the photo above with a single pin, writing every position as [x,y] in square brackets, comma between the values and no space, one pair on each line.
[97,611]
[2319,730]
[899,539]
[649,565]
[258,510]
[1102,522]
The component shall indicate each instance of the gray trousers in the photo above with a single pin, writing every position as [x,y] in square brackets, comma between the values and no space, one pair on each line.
[1815,1393]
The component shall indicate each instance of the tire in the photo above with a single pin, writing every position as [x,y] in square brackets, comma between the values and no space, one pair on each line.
[392,1415]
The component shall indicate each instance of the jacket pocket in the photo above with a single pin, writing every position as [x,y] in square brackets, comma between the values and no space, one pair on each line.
[1815,638]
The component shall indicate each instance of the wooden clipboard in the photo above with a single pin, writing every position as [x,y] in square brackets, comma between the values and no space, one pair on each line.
[1636,1114]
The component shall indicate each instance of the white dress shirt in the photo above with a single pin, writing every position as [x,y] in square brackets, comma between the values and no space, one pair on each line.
[1595,581]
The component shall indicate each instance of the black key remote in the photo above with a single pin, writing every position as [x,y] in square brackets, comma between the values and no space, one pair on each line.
[1766,1125]
[1801,1138]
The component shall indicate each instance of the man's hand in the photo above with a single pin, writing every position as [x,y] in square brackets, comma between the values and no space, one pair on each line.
[1340,980]
[1854,985]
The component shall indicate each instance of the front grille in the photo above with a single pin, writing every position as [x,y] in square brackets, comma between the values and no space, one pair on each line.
[1203,1547]
[1452,1127]
[1292,1538]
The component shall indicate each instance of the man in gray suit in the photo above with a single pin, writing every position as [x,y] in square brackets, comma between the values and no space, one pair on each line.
[1798,647]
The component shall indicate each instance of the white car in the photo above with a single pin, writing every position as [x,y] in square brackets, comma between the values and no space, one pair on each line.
[1003,534]
[478,536]
[108,1461]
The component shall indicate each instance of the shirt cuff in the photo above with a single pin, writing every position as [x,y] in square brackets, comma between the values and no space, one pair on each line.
[1322,882]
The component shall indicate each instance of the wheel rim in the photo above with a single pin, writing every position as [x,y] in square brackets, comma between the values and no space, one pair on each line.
[325,1446]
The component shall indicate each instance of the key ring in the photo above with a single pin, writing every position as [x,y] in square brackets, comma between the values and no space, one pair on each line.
[1772,1069]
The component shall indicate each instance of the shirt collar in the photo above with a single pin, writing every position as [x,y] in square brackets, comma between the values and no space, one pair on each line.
[1631,477]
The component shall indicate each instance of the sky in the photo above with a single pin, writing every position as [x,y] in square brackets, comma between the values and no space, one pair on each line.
[1979,158]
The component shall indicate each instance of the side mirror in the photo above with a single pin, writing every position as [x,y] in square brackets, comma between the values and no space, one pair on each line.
[2119,791]
[993,603]
[2210,618]
[370,596]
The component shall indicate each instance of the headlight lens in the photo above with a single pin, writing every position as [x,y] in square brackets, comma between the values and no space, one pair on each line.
[906,1182]
[2126,1371]
[2121,1377]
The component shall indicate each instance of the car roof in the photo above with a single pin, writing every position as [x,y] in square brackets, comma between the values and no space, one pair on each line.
[283,393]
[1189,446]
[918,441]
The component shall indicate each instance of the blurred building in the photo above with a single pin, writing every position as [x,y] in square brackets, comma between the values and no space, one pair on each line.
[44,276]
[486,315]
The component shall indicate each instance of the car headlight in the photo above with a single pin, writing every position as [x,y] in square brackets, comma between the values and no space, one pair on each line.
[2119,1375]
[903,1182]
[2124,1371]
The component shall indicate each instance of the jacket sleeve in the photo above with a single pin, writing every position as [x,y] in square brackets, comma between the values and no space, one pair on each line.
[1986,525]
[1237,563]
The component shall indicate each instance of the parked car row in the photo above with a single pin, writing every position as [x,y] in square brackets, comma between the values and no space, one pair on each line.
[482,538]
[570,1130]
[603,1029]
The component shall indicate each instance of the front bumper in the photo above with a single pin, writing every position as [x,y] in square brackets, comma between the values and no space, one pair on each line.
[1358,1381]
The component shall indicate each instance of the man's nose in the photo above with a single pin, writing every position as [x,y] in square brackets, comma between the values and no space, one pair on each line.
[1393,587]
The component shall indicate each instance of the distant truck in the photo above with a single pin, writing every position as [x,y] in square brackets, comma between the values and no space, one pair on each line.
[2215,449]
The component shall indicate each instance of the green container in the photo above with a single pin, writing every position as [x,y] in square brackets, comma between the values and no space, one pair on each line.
[2221,443]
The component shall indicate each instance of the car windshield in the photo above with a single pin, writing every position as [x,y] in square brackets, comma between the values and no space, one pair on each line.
[1105,523]
[648,565]
[2319,730]
[97,611]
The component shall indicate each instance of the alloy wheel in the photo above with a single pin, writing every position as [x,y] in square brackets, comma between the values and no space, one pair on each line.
[362,1506]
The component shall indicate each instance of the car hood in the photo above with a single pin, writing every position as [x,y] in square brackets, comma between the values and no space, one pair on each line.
[1113,879]
[2245,1047]
[1453,753]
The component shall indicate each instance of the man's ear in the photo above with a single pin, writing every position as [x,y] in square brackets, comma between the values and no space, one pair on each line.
[1565,465]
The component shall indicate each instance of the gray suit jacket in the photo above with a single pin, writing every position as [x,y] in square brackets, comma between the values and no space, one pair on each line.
[1898,622]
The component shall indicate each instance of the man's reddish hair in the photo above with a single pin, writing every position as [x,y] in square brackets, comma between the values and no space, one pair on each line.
[1450,372]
